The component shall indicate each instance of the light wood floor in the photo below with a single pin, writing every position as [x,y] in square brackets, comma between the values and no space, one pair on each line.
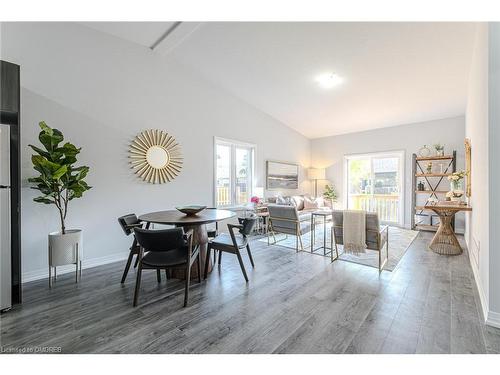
[293,303]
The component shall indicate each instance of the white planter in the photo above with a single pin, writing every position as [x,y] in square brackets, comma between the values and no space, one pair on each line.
[65,249]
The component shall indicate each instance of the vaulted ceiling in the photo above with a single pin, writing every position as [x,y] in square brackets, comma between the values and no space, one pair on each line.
[392,73]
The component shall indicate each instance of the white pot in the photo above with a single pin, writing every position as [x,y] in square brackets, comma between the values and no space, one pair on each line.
[65,248]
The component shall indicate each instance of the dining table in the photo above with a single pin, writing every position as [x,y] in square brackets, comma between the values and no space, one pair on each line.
[195,222]
[445,241]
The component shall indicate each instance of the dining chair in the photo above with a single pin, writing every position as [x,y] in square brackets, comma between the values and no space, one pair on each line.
[128,223]
[167,248]
[233,243]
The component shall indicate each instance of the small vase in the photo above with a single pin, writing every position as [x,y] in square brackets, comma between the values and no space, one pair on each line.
[440,152]
[456,185]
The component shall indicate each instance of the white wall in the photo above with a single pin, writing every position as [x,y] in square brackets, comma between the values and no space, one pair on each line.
[476,129]
[494,177]
[482,127]
[329,152]
[101,91]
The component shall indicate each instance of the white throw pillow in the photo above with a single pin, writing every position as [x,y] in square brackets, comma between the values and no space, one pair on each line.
[310,203]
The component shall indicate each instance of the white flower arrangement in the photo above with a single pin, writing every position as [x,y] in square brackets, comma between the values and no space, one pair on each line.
[457,176]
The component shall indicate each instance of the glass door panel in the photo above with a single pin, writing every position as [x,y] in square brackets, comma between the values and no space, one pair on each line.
[374,184]
[223,182]
[243,175]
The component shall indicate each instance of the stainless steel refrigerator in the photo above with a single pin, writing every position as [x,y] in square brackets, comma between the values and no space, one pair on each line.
[5,220]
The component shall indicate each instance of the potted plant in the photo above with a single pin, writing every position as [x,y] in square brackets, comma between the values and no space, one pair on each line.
[439,149]
[59,181]
[330,195]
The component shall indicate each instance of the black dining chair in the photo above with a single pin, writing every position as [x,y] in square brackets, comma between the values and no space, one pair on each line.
[128,223]
[167,248]
[233,242]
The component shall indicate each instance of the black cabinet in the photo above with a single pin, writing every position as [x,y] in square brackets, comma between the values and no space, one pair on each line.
[10,94]
[10,109]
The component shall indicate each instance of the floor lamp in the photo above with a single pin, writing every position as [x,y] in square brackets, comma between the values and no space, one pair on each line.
[316,174]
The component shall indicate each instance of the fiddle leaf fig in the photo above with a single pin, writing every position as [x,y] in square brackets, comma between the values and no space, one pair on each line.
[59,180]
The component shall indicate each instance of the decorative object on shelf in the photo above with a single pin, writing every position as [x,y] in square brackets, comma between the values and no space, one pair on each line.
[468,166]
[428,167]
[456,189]
[421,186]
[424,151]
[316,174]
[330,194]
[439,149]
[155,156]
[190,210]
[59,181]
[281,175]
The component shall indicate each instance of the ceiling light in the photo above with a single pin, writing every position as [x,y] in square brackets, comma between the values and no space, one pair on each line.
[328,80]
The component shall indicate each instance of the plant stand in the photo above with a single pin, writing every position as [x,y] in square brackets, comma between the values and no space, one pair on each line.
[65,249]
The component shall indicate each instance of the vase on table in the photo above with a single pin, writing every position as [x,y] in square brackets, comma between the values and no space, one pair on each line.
[456,188]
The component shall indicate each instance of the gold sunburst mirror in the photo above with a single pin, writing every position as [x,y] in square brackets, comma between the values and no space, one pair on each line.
[155,156]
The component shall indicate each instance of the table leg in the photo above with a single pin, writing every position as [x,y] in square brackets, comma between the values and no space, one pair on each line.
[312,233]
[324,236]
[445,242]
[200,238]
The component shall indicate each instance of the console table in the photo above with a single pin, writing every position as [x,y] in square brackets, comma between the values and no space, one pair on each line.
[445,242]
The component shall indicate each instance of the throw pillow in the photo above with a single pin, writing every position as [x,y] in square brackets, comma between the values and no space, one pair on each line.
[298,202]
[310,203]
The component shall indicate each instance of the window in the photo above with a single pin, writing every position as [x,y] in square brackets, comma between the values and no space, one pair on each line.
[374,183]
[233,172]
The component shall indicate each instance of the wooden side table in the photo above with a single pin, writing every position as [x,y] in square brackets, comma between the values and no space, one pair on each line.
[445,241]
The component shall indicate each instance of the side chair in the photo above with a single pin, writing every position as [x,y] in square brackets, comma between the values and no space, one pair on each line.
[377,236]
[233,242]
[128,223]
[167,248]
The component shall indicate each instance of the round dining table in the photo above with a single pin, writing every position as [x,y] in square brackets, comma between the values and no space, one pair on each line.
[197,223]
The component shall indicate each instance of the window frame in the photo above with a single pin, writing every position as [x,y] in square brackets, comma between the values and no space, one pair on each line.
[233,144]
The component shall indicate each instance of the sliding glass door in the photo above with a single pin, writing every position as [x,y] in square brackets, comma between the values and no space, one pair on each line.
[374,183]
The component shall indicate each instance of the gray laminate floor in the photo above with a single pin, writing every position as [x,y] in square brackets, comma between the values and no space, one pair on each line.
[294,303]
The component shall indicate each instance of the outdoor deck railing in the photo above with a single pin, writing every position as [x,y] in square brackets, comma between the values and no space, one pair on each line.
[386,205]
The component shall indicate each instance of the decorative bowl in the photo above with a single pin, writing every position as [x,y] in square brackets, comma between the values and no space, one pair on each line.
[191,210]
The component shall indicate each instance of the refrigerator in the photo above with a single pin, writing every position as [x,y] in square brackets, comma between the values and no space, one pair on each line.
[5,218]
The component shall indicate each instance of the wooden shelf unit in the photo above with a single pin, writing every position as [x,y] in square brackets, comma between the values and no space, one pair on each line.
[432,158]
[430,191]
[436,183]
[432,174]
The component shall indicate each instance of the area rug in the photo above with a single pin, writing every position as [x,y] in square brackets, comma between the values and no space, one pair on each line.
[399,241]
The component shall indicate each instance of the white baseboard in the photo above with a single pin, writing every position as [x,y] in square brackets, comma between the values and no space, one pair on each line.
[493,319]
[86,263]
[482,296]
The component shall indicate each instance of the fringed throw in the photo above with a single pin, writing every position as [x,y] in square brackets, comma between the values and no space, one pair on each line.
[354,232]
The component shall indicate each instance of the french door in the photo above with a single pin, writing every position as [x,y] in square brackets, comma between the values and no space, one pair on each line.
[374,183]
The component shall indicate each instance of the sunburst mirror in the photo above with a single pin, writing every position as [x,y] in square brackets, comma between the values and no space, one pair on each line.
[155,156]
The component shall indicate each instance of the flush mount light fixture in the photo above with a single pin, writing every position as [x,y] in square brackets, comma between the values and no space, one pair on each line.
[155,156]
[328,80]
